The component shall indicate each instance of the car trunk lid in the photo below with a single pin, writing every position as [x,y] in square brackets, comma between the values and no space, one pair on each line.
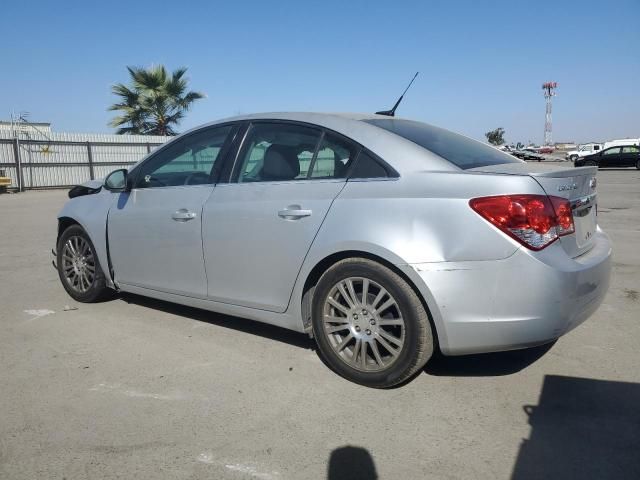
[578,185]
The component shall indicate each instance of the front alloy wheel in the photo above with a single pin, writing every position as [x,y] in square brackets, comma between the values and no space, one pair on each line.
[78,266]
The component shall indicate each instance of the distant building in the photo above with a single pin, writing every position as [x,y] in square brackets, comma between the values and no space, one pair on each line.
[565,145]
[41,131]
[31,130]
[34,156]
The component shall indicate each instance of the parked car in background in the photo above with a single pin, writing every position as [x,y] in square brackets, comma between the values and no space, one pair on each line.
[527,154]
[583,151]
[384,239]
[621,156]
[545,149]
[537,149]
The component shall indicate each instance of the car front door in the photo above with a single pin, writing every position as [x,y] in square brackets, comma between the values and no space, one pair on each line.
[258,228]
[610,157]
[154,230]
[629,156]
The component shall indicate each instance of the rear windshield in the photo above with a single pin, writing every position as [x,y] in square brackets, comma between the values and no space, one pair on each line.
[457,149]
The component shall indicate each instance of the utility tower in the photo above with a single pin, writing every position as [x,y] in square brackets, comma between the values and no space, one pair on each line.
[549,90]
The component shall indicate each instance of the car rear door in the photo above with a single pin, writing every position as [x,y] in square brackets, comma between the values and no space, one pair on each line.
[258,227]
[155,230]
[629,156]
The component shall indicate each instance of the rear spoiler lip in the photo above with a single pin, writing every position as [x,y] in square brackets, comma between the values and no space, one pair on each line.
[530,170]
[569,172]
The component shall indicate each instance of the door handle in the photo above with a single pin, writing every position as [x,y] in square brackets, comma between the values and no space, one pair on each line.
[183,215]
[294,212]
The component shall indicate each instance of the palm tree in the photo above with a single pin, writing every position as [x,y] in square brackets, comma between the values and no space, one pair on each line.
[154,103]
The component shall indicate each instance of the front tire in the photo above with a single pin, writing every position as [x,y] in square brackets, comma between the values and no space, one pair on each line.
[78,267]
[573,158]
[369,324]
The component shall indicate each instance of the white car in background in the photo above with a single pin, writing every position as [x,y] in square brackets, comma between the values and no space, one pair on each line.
[584,150]
[623,142]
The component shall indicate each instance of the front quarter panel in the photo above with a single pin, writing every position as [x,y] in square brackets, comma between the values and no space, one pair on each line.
[91,212]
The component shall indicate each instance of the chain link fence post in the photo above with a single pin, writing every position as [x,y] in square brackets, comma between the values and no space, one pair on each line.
[16,155]
[90,156]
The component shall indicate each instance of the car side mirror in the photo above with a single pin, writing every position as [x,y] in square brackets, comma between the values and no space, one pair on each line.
[117,181]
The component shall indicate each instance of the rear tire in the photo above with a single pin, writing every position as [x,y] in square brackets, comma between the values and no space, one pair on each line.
[638,164]
[78,267]
[369,324]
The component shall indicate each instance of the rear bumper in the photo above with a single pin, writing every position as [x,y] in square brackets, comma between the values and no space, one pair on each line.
[528,299]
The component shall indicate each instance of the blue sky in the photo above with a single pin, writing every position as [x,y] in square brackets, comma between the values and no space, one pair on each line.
[481,63]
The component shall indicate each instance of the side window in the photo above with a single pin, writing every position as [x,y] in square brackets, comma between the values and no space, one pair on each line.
[596,148]
[368,167]
[334,158]
[630,149]
[277,152]
[188,161]
[611,151]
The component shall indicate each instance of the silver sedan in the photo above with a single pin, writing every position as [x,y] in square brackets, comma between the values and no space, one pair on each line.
[385,239]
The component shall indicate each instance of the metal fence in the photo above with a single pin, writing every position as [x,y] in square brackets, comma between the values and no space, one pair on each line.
[33,164]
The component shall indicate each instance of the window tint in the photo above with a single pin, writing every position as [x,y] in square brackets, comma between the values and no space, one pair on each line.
[457,149]
[333,159]
[596,147]
[368,167]
[277,152]
[630,149]
[611,151]
[188,161]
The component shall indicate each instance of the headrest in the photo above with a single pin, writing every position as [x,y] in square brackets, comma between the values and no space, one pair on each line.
[280,163]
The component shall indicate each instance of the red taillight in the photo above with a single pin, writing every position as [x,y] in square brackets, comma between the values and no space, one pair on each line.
[564,215]
[533,220]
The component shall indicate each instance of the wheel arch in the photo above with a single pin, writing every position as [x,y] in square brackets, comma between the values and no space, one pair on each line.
[64,223]
[90,212]
[321,266]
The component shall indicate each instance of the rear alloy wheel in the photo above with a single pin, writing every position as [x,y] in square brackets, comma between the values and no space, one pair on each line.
[369,324]
[78,266]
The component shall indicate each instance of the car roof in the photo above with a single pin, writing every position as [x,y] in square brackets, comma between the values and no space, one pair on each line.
[402,154]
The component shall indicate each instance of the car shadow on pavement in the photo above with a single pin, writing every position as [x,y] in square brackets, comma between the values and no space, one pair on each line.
[583,429]
[235,323]
[351,463]
[485,364]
